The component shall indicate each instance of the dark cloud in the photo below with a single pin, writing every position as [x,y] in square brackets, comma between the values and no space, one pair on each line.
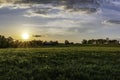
[41,10]
[74,5]
[31,1]
[83,5]
[37,36]
[113,21]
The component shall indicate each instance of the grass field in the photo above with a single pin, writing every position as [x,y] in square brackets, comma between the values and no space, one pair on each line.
[61,63]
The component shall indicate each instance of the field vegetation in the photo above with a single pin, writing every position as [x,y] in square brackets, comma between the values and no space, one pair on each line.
[60,63]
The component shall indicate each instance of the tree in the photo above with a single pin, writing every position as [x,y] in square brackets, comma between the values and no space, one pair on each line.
[67,42]
[3,42]
[10,42]
[84,41]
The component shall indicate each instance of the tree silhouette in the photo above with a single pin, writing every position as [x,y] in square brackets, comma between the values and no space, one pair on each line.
[84,41]
[67,42]
[11,43]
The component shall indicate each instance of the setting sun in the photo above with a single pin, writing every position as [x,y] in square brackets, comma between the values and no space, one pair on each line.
[25,36]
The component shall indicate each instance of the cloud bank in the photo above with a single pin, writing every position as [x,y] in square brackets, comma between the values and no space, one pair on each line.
[70,19]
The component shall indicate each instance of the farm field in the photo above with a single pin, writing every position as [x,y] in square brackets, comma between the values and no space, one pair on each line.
[61,63]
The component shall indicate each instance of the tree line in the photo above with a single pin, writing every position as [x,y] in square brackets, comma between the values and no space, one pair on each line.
[9,42]
[100,41]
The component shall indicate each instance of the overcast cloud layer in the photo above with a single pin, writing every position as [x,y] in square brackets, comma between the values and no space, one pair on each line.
[61,19]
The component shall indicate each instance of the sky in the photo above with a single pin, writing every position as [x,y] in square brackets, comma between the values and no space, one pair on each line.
[60,20]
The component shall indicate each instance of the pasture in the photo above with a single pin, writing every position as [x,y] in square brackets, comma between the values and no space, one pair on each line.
[60,63]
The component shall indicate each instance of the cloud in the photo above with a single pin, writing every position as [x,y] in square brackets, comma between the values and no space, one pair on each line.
[8,1]
[50,11]
[48,8]
[21,6]
[82,5]
[45,10]
[67,18]
[112,21]
[116,3]
[15,6]
[68,7]
[66,27]
[37,36]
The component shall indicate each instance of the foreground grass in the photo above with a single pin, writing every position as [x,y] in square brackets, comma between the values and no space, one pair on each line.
[62,63]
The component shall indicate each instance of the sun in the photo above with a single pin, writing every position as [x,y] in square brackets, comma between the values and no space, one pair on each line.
[25,36]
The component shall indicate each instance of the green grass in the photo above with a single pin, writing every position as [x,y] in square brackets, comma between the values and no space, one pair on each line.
[61,63]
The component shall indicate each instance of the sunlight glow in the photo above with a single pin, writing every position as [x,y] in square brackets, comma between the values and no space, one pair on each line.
[25,36]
